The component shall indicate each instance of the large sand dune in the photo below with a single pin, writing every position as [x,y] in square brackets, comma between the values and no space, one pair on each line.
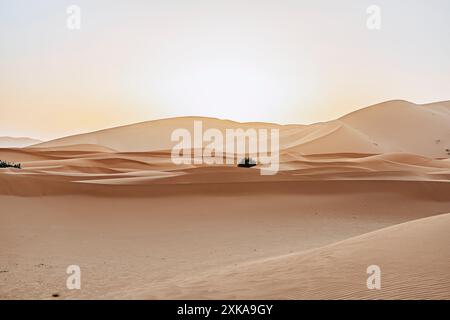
[113,202]
[386,127]
[132,245]
[413,258]
[17,142]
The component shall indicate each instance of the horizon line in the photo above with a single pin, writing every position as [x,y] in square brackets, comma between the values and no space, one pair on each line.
[221,119]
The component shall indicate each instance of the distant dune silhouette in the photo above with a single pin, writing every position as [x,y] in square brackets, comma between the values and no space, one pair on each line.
[392,126]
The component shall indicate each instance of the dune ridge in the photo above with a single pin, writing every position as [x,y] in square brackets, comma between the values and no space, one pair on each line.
[17,142]
[413,257]
[139,226]
[385,127]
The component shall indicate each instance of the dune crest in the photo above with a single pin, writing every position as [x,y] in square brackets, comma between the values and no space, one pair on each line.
[17,142]
[139,226]
[386,127]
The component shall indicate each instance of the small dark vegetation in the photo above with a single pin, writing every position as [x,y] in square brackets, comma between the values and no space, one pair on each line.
[247,163]
[5,164]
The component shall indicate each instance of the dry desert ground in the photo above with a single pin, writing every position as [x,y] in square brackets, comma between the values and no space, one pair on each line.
[370,188]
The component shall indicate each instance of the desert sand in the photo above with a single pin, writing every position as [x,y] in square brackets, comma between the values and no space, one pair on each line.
[336,271]
[17,142]
[372,187]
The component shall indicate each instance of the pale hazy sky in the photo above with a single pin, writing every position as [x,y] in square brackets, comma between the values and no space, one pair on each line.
[279,61]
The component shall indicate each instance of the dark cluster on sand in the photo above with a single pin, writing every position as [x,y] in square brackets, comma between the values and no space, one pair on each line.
[5,164]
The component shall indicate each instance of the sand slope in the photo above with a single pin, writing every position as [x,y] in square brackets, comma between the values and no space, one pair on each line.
[413,257]
[144,239]
[393,126]
[113,202]
[62,170]
[385,127]
[17,142]
[148,136]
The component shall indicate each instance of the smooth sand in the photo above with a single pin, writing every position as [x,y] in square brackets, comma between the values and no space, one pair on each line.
[413,258]
[392,126]
[142,228]
[143,233]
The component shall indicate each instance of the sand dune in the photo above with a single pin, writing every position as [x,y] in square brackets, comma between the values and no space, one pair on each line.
[57,171]
[413,258]
[147,136]
[113,202]
[393,125]
[60,171]
[385,127]
[17,142]
[76,148]
[134,241]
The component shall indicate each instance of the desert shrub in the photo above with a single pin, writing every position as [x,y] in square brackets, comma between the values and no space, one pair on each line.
[5,164]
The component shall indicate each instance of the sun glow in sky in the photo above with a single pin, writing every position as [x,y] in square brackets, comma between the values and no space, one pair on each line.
[279,61]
